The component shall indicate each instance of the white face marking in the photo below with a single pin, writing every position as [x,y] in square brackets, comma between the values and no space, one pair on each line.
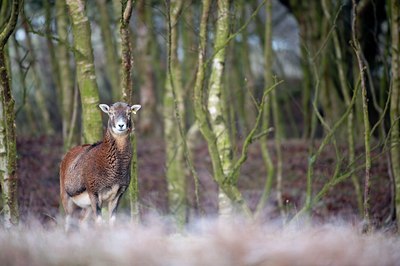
[120,126]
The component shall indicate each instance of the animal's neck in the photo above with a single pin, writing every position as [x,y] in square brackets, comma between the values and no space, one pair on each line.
[121,143]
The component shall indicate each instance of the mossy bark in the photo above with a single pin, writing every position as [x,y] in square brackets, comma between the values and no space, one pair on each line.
[174,120]
[367,128]
[126,86]
[85,72]
[395,102]
[341,68]
[202,118]
[217,104]
[8,147]
[266,112]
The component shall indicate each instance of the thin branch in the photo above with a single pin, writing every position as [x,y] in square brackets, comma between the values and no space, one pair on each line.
[233,177]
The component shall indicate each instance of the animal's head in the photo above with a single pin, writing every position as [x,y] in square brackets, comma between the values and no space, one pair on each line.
[119,122]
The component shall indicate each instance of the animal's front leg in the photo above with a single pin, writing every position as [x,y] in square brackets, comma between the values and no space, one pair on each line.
[96,208]
[87,213]
[113,205]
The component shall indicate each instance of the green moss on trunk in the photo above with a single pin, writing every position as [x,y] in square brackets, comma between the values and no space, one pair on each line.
[91,117]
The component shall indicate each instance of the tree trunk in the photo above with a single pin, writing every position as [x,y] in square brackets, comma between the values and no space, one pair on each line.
[86,76]
[144,43]
[174,121]
[126,85]
[66,77]
[340,64]
[107,36]
[395,101]
[216,102]
[8,147]
[266,112]
[367,129]
[202,118]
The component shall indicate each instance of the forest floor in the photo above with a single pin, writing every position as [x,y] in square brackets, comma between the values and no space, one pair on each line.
[39,158]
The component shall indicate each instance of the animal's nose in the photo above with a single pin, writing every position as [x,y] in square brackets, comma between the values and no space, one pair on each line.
[121,125]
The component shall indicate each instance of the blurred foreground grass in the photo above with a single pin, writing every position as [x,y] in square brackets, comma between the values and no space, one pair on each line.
[204,242]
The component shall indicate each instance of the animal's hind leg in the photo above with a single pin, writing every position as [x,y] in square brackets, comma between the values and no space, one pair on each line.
[71,211]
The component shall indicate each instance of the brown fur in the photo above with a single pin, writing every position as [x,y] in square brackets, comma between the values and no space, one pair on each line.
[101,170]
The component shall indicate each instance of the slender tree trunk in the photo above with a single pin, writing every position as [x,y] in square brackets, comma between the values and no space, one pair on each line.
[361,65]
[202,118]
[126,85]
[66,76]
[340,64]
[8,147]
[86,76]
[144,44]
[216,102]
[110,51]
[395,102]
[266,112]
[173,97]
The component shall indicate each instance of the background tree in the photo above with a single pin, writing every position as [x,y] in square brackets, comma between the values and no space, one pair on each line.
[110,50]
[395,100]
[174,119]
[85,72]
[67,86]
[223,78]
[126,83]
[8,149]
[40,100]
[217,101]
[146,52]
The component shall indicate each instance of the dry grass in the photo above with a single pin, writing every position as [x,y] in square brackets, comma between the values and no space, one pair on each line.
[206,242]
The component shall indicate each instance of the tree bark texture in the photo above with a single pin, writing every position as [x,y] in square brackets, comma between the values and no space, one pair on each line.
[126,51]
[174,120]
[367,129]
[8,147]
[267,107]
[216,102]
[341,68]
[395,102]
[126,85]
[86,76]
[202,117]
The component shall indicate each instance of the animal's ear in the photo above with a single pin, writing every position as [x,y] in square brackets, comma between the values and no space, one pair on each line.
[135,108]
[105,108]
